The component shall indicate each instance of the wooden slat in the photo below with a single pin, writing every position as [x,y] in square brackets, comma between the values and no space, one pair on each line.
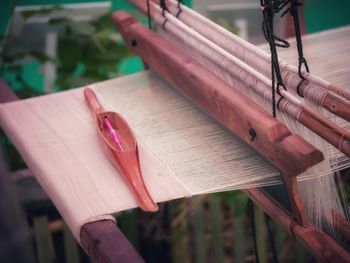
[71,248]
[43,240]
[180,249]
[216,231]
[239,245]
[106,243]
[261,235]
[198,235]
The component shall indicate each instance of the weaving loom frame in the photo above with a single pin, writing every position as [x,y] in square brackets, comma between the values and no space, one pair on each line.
[104,241]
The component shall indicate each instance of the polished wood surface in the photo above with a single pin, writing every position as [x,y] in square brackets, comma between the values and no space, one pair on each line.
[106,243]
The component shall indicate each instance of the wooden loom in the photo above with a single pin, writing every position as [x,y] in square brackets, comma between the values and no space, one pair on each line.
[273,140]
[232,108]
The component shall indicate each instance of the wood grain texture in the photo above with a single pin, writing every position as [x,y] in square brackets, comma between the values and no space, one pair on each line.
[338,137]
[232,109]
[319,243]
[107,244]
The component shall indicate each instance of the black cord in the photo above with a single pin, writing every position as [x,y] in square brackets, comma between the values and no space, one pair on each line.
[250,212]
[149,15]
[294,4]
[179,3]
[271,239]
[164,8]
[269,9]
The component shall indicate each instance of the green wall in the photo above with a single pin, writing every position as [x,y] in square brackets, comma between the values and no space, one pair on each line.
[325,14]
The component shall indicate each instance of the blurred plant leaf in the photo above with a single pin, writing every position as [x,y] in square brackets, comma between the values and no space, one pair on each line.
[43,11]
[40,56]
[82,28]
[227,25]
[70,52]
[59,21]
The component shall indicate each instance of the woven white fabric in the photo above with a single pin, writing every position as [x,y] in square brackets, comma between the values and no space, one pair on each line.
[56,136]
[182,151]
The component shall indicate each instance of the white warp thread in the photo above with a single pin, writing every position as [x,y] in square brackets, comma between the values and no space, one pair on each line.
[318,201]
[252,55]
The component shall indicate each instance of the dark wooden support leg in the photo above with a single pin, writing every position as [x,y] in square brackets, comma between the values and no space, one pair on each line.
[107,244]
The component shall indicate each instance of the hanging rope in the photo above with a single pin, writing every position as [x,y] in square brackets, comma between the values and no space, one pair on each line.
[269,9]
[293,10]
[164,9]
[179,2]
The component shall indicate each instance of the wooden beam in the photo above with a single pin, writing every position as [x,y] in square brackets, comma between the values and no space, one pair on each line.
[107,244]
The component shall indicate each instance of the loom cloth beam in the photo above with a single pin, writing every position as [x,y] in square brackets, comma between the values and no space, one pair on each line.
[235,111]
[100,238]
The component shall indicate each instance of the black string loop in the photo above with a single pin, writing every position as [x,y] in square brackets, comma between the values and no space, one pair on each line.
[278,91]
[164,9]
[269,9]
[293,9]
[163,6]
[302,61]
[301,82]
[179,3]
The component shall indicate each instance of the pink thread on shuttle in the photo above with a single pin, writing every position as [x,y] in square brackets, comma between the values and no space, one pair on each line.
[107,124]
